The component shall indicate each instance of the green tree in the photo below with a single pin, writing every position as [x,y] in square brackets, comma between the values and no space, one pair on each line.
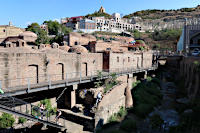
[53,27]
[42,38]
[34,27]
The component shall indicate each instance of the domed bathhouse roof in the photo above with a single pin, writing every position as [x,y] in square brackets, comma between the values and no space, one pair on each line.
[28,34]
[78,49]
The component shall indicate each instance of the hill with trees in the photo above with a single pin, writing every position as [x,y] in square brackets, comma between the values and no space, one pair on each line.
[167,14]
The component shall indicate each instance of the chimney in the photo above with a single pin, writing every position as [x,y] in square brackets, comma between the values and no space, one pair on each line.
[9,23]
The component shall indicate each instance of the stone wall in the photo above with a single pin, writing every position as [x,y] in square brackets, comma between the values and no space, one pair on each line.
[110,104]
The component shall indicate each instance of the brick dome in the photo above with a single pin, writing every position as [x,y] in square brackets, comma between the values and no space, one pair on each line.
[78,49]
[28,34]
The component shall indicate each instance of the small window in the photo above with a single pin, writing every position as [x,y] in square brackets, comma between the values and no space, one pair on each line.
[117,59]
[4,30]
[128,59]
[108,48]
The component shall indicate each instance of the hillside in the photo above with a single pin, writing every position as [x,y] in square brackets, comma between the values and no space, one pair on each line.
[167,14]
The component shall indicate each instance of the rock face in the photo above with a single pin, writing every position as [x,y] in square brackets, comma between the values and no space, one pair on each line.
[129,99]
[159,24]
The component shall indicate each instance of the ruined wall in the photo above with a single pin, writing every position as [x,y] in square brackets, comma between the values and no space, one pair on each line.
[16,67]
[110,104]
[191,74]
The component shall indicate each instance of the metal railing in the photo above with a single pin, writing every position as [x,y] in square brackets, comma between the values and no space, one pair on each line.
[11,85]
[24,109]
[168,53]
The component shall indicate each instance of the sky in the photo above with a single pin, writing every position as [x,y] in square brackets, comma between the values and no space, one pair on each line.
[24,12]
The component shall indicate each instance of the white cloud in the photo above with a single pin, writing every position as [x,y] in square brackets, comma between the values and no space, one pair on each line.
[28,23]
[56,19]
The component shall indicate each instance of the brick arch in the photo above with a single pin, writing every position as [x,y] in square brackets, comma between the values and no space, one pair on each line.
[84,69]
[60,71]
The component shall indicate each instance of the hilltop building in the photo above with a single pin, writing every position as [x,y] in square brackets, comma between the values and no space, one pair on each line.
[101,10]
[114,24]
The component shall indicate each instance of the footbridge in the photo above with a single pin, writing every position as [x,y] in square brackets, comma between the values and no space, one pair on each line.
[20,86]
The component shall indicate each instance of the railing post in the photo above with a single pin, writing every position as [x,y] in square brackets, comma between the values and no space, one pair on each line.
[26,109]
[49,81]
[28,85]
[13,103]
[101,75]
[80,77]
[109,73]
[66,80]
[91,75]
[38,112]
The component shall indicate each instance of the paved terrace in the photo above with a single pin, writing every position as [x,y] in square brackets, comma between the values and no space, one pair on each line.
[27,87]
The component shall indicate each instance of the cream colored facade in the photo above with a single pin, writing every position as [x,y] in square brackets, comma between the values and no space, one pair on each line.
[8,31]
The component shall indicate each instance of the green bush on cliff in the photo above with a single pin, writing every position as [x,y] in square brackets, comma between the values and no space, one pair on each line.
[116,117]
[6,120]
[22,120]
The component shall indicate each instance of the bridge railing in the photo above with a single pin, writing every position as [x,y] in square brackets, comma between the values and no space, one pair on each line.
[168,53]
[10,85]
[22,108]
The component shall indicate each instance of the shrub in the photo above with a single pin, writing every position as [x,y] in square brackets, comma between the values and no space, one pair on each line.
[6,120]
[129,125]
[140,41]
[122,112]
[22,120]
[136,83]
[80,31]
[113,118]
[142,110]
[155,121]
[147,96]
[149,78]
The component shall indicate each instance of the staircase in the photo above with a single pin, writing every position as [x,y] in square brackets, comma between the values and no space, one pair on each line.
[26,110]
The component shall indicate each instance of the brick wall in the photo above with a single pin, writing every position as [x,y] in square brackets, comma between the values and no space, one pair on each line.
[22,65]
[125,60]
